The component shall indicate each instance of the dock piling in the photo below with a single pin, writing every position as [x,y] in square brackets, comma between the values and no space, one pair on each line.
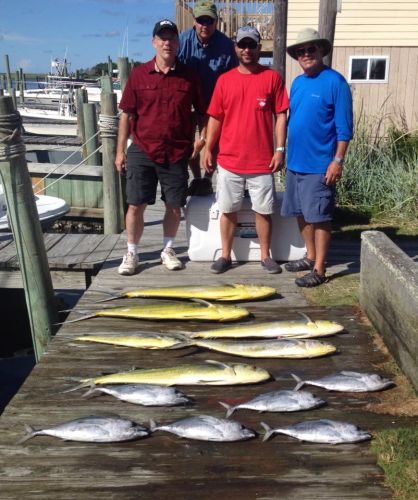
[26,228]
[123,67]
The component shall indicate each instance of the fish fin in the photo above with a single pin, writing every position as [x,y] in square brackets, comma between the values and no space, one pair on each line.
[268,429]
[30,433]
[229,409]
[300,382]
[306,317]
[219,363]
[203,302]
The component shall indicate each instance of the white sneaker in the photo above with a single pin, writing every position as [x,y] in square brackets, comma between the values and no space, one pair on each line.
[170,260]
[130,264]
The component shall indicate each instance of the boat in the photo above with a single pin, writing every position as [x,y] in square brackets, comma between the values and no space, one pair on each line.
[50,208]
[42,121]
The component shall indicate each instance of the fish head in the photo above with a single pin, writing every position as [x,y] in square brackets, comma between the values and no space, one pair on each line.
[231,313]
[259,291]
[319,348]
[247,433]
[250,373]
[376,380]
[328,327]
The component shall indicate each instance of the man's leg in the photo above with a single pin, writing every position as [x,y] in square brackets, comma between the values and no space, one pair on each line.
[228,223]
[322,241]
[263,228]
[134,222]
[171,221]
[307,232]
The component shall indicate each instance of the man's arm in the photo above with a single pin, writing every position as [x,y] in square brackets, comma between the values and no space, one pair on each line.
[123,135]
[213,132]
[280,133]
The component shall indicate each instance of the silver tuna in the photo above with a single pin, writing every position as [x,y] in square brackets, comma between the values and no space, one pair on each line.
[320,431]
[278,401]
[141,394]
[92,430]
[347,381]
[206,428]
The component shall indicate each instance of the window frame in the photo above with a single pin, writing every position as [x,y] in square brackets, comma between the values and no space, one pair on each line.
[369,58]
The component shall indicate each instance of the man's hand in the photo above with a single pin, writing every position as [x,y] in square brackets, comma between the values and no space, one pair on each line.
[197,147]
[121,163]
[277,162]
[334,173]
[208,161]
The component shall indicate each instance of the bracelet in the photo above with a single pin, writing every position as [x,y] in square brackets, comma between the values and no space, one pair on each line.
[280,149]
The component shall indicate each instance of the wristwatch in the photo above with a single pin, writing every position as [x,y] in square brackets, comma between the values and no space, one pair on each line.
[280,149]
[339,160]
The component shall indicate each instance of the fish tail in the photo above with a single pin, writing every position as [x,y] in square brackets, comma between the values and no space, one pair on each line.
[229,409]
[84,383]
[91,392]
[181,344]
[30,433]
[87,316]
[300,382]
[106,292]
[152,425]
[268,429]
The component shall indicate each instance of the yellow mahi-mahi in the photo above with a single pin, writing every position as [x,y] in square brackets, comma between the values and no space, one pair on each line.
[292,329]
[197,310]
[269,348]
[140,340]
[207,373]
[232,292]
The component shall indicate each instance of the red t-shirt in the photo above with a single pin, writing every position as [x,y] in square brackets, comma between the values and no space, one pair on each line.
[161,106]
[246,104]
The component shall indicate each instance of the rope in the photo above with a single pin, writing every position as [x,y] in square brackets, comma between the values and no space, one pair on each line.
[11,145]
[67,173]
[108,126]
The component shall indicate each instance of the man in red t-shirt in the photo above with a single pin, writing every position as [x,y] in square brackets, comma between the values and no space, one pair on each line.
[244,105]
[157,112]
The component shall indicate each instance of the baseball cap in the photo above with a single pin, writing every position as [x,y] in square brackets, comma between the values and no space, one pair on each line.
[248,32]
[205,8]
[165,24]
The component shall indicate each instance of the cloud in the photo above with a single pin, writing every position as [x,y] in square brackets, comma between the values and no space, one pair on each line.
[25,63]
[14,37]
[108,34]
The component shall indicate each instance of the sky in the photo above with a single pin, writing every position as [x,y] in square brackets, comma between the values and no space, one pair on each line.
[86,32]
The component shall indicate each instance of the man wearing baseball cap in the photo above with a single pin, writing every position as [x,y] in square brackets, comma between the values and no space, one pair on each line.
[244,104]
[319,130]
[157,113]
[211,53]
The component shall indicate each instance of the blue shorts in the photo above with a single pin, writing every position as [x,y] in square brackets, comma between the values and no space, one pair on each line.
[307,195]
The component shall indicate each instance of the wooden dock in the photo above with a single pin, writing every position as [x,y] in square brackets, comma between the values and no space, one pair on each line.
[163,465]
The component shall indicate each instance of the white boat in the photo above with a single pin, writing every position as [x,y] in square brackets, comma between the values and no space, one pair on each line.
[61,121]
[49,209]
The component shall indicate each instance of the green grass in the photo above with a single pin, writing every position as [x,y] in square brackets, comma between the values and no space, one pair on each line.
[397,451]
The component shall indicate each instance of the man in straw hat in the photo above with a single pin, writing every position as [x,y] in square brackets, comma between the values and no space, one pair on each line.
[244,105]
[210,53]
[319,130]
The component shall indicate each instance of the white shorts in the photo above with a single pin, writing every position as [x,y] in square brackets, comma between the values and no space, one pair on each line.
[231,186]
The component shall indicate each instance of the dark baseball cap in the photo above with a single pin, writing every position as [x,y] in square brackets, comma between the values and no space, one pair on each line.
[165,24]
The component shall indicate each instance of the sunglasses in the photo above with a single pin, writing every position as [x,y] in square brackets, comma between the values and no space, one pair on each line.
[308,51]
[205,21]
[251,44]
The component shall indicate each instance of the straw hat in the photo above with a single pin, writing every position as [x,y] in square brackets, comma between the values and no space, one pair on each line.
[309,35]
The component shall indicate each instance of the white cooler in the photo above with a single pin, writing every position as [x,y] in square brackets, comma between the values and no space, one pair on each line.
[204,237]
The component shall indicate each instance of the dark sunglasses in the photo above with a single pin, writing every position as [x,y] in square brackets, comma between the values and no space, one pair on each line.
[251,44]
[309,50]
[205,21]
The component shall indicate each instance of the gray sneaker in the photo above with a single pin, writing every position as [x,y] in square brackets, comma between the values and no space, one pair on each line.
[130,264]
[220,265]
[271,266]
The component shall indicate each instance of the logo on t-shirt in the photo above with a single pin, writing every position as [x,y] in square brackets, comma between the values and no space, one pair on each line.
[262,102]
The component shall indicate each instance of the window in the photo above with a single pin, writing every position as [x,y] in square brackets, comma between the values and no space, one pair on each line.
[369,69]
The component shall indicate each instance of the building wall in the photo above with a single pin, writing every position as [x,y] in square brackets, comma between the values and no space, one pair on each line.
[362,23]
[397,99]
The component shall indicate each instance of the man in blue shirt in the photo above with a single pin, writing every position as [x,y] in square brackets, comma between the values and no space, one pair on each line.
[210,53]
[320,128]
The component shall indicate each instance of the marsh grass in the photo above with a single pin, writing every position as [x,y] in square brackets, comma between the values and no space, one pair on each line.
[381,171]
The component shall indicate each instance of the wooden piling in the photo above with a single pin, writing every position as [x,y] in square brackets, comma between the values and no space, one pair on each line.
[92,196]
[326,26]
[106,84]
[112,204]
[81,97]
[280,36]
[8,75]
[123,67]
[109,66]
[27,234]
